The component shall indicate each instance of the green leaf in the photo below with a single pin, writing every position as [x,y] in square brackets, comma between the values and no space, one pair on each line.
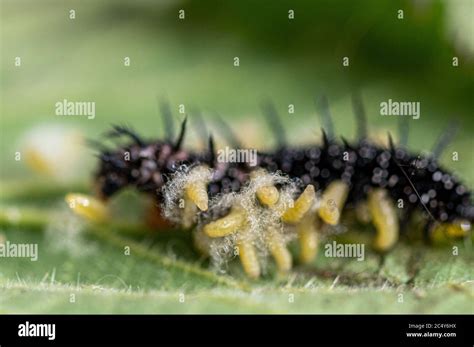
[91,273]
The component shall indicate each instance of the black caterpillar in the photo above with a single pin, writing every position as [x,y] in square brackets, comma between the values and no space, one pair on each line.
[291,192]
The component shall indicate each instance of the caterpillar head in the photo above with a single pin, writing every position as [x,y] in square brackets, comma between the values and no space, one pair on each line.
[143,166]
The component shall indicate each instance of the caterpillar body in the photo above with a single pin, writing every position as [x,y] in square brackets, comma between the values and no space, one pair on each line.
[291,193]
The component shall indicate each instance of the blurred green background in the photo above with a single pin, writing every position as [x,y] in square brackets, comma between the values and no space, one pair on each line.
[190,62]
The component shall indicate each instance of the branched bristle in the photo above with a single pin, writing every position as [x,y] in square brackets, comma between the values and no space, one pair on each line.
[390,143]
[211,150]
[228,132]
[444,139]
[325,138]
[167,119]
[361,117]
[96,145]
[271,115]
[199,124]
[403,131]
[179,142]
[121,130]
[322,105]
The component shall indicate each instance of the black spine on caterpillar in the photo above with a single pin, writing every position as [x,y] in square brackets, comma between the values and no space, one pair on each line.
[144,165]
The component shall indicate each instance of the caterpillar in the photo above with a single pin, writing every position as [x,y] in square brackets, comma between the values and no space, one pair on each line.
[254,211]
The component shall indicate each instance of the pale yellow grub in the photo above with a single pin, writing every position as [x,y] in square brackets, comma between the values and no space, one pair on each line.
[332,202]
[249,259]
[196,189]
[277,247]
[301,206]
[442,232]
[227,225]
[308,238]
[459,228]
[384,217]
[197,193]
[88,207]
[268,195]
[189,212]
